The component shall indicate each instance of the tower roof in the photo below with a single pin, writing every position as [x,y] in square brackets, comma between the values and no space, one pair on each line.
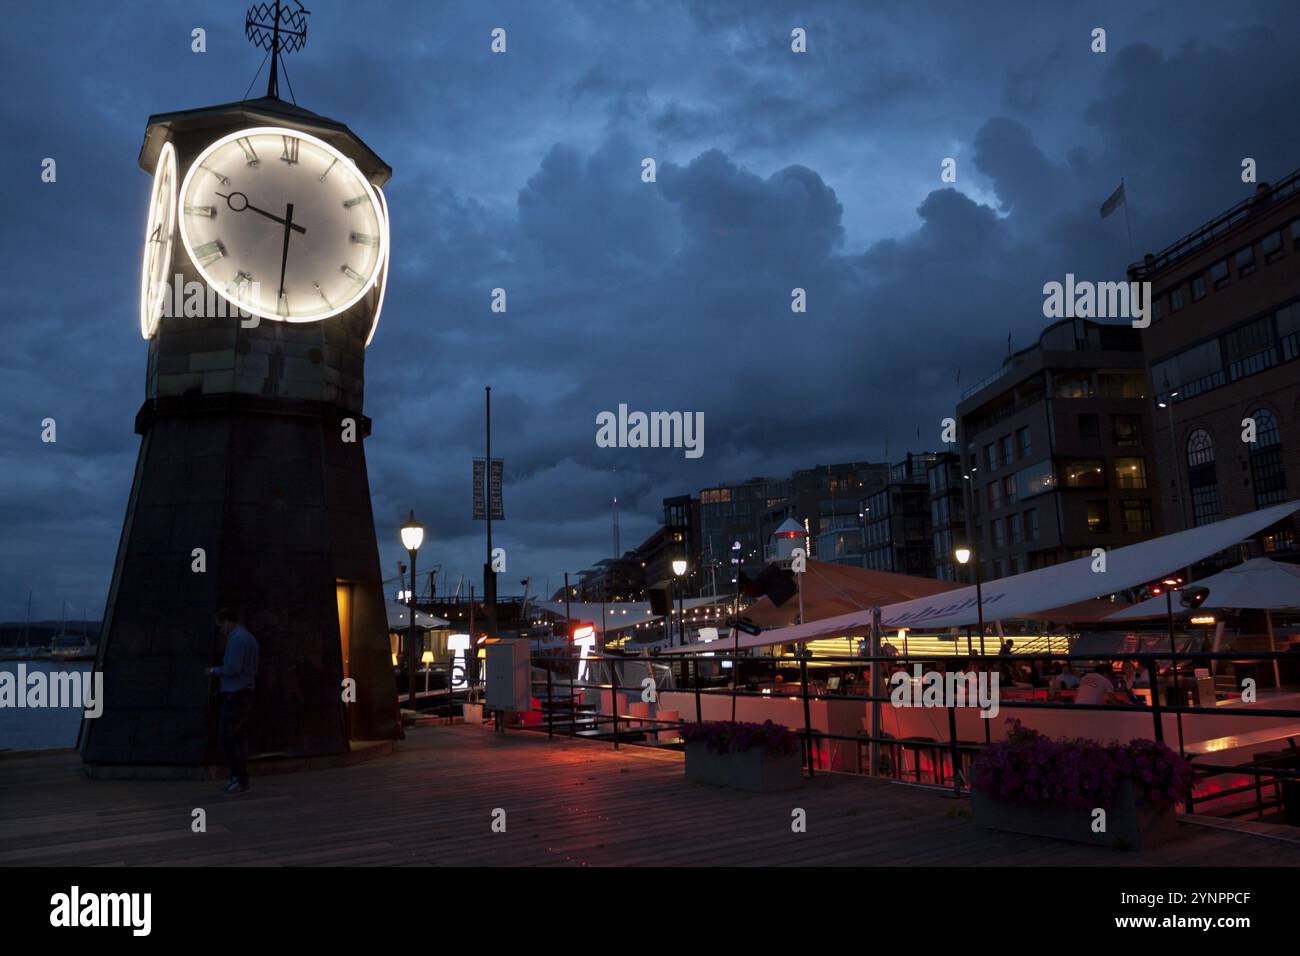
[265,110]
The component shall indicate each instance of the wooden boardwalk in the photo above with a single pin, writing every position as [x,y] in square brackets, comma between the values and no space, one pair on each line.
[566,802]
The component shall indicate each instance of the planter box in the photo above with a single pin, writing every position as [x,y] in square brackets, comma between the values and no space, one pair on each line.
[1129,825]
[752,769]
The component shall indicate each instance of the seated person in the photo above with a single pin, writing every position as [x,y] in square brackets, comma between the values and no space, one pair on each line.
[1067,679]
[1096,687]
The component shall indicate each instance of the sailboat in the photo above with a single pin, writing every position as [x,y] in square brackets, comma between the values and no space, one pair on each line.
[70,647]
[25,651]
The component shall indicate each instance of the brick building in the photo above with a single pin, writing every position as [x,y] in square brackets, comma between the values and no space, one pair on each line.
[1222,348]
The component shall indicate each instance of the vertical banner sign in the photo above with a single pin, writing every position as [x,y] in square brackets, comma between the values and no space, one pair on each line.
[489,496]
[479,512]
[495,474]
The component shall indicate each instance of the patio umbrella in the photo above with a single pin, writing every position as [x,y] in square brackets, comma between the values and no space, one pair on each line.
[1260,584]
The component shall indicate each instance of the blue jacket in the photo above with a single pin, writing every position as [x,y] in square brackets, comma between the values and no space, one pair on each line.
[238,670]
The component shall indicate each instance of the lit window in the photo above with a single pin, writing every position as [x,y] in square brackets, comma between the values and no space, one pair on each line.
[1137,515]
[1083,473]
[1130,472]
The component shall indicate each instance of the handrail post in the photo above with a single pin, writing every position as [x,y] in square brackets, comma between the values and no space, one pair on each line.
[695,679]
[952,749]
[550,706]
[807,715]
[1157,711]
[573,721]
[613,698]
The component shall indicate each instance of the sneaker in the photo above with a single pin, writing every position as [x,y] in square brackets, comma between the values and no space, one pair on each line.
[232,787]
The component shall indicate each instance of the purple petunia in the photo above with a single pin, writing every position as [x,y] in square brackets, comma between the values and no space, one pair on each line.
[1030,768]
[728,736]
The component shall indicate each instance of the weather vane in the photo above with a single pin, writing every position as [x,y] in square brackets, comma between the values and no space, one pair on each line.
[277,28]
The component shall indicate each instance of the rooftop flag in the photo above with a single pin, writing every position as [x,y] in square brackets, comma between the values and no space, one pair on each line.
[1111,204]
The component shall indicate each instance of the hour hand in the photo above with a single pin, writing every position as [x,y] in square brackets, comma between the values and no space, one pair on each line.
[238,202]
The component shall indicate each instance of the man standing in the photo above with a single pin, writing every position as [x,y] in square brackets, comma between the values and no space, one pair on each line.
[238,672]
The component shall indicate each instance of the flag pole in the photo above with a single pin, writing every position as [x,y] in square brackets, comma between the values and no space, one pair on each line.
[1127,227]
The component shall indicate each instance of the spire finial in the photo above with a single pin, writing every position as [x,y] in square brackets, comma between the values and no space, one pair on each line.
[277,28]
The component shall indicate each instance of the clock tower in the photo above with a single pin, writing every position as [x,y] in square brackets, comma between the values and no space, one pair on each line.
[263,277]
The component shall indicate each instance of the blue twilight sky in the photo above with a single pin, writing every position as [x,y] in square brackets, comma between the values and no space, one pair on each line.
[522,171]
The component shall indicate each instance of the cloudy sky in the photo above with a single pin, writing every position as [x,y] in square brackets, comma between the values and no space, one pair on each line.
[523,171]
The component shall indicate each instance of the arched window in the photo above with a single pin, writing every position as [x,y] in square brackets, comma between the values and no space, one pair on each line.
[1267,433]
[1200,448]
[1267,470]
[1201,479]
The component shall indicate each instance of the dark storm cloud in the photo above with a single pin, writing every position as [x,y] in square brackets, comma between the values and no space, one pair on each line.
[524,172]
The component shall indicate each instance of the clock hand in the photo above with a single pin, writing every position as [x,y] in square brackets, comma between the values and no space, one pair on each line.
[284,258]
[230,201]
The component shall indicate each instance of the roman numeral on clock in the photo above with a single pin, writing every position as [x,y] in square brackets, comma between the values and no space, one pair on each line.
[240,285]
[250,155]
[210,252]
[220,178]
[290,154]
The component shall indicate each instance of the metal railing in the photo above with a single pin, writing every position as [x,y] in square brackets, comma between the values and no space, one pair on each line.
[560,684]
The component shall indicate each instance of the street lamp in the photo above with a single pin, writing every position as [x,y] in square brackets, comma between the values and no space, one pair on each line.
[679,569]
[412,538]
[963,556]
[1168,406]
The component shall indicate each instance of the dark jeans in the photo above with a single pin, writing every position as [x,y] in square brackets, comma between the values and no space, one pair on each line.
[232,730]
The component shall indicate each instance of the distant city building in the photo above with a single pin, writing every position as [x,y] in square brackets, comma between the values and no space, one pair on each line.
[730,513]
[824,502]
[947,514]
[1058,447]
[1221,349]
[896,520]
[613,579]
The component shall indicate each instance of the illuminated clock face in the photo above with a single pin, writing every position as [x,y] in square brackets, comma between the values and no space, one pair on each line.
[159,240]
[282,225]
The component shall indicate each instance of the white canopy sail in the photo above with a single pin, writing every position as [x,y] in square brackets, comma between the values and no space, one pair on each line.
[1033,591]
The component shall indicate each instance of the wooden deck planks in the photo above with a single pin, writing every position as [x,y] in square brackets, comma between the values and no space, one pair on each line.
[567,803]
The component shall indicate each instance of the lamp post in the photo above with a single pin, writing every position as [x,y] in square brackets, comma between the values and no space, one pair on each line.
[1168,406]
[412,538]
[679,569]
[963,555]
[735,630]
[1171,585]
[427,659]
